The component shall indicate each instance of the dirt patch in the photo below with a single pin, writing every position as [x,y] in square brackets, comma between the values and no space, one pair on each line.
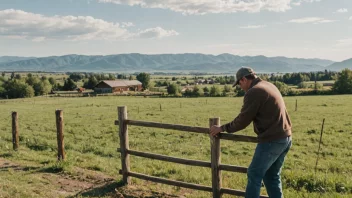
[84,183]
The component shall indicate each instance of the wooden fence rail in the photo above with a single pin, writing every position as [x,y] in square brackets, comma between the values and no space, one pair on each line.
[214,164]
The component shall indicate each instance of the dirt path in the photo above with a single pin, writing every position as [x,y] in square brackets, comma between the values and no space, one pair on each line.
[85,183]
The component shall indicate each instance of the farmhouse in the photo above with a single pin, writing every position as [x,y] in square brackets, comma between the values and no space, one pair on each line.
[113,86]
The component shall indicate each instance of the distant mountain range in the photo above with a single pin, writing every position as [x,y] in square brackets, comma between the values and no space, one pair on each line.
[341,65]
[167,63]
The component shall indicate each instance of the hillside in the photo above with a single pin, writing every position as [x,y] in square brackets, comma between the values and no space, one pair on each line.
[338,66]
[4,59]
[161,62]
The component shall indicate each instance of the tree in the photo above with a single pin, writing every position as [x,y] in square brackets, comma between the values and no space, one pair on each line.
[3,74]
[206,90]
[343,84]
[302,85]
[52,81]
[2,92]
[42,87]
[227,88]
[112,77]
[173,89]
[238,91]
[282,87]
[144,78]
[90,84]
[18,89]
[31,80]
[121,76]
[188,93]
[197,91]
[18,76]
[69,85]
[76,77]
[215,91]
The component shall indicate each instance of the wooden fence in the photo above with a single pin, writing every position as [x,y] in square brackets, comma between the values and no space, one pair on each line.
[214,164]
[59,128]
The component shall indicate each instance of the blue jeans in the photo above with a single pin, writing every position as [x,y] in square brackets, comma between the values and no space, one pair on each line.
[266,165]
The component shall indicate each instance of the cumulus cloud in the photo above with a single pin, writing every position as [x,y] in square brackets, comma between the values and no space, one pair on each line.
[252,26]
[299,2]
[127,24]
[314,20]
[200,7]
[342,10]
[37,27]
[157,32]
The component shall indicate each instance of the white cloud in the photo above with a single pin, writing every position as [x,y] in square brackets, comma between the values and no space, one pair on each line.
[38,39]
[344,42]
[252,26]
[36,27]
[127,24]
[342,10]
[157,32]
[350,18]
[315,20]
[200,7]
[299,2]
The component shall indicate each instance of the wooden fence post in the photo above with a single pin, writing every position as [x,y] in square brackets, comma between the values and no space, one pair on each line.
[296,105]
[15,137]
[215,160]
[60,135]
[124,145]
[321,137]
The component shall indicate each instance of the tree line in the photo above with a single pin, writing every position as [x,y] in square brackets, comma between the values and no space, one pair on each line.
[17,86]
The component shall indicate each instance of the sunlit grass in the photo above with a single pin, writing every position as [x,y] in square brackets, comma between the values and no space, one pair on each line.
[91,140]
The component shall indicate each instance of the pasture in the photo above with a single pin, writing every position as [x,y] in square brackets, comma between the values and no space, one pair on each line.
[91,140]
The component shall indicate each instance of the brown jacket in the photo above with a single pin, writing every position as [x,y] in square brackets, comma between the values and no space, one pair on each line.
[264,105]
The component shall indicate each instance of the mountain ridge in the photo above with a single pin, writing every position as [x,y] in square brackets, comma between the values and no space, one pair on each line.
[132,62]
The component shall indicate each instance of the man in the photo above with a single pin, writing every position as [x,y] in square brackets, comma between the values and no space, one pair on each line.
[264,105]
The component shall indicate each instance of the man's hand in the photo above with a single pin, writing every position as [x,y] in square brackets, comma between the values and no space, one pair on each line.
[215,130]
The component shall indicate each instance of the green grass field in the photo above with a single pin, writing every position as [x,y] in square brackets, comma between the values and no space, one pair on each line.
[91,139]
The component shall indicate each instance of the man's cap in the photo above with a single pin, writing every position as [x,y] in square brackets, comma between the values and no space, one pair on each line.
[242,72]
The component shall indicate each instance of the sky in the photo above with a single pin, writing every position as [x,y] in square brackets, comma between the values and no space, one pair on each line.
[291,28]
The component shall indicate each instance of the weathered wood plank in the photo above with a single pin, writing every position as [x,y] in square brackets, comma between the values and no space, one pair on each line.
[215,160]
[15,136]
[168,158]
[169,182]
[166,126]
[60,135]
[240,138]
[123,134]
[231,168]
[224,136]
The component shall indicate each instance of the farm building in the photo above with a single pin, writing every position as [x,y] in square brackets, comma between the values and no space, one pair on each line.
[114,86]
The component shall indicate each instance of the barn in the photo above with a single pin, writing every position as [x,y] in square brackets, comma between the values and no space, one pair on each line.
[117,86]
